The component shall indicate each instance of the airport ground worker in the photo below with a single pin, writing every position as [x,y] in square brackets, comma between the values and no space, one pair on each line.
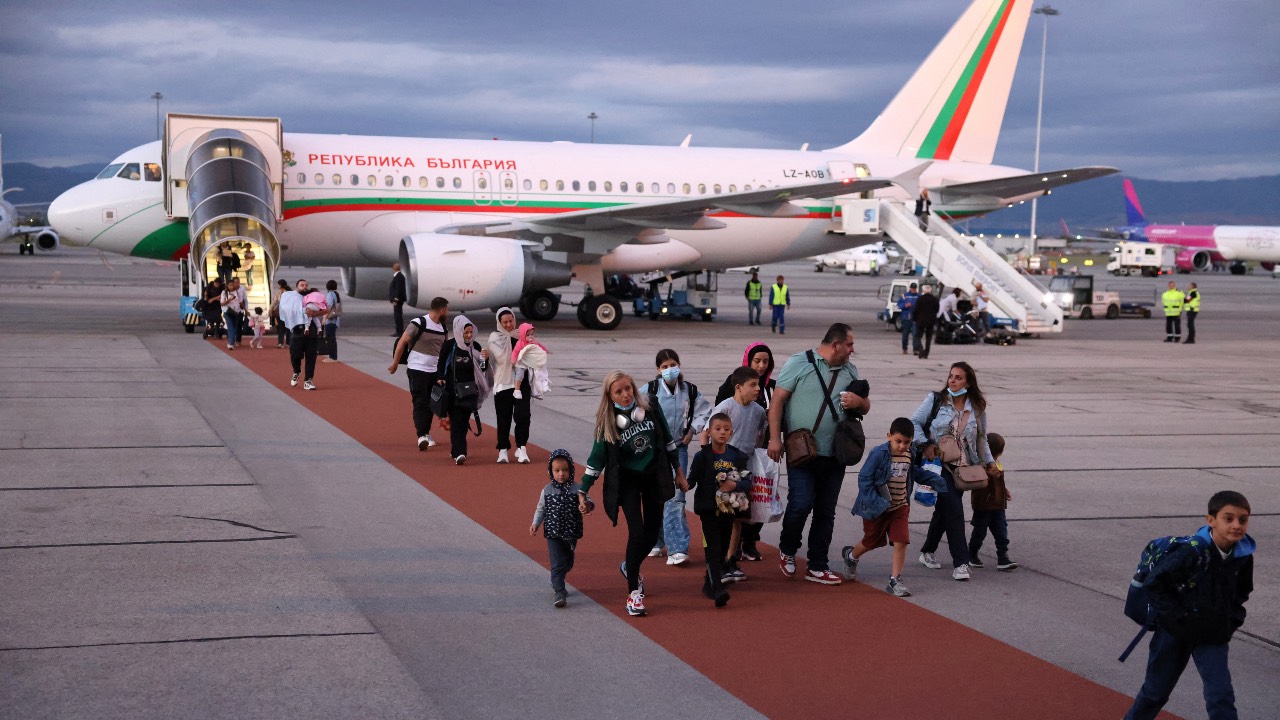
[779,301]
[1193,309]
[754,292]
[1173,300]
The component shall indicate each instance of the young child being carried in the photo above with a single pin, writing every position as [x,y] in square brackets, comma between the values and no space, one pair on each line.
[529,356]
[258,322]
[885,485]
[719,480]
[749,420]
[561,520]
[989,504]
[1197,592]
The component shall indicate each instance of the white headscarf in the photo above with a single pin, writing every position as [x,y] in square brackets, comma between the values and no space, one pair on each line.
[484,380]
[501,344]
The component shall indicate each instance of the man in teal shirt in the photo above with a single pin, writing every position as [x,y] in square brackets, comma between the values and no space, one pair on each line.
[815,486]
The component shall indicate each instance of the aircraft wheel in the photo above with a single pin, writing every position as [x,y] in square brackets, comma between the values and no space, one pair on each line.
[540,306]
[818,268]
[1239,268]
[602,312]
[1086,313]
[1113,312]
[1146,313]
[706,318]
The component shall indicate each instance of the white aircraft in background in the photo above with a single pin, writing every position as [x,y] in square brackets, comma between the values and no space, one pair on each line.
[865,259]
[30,237]
[487,223]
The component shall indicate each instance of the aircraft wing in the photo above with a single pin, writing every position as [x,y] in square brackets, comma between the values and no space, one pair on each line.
[21,230]
[1011,187]
[693,213]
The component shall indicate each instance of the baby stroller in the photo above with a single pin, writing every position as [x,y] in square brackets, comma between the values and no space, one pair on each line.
[959,328]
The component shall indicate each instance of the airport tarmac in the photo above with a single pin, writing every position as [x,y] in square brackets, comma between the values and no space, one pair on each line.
[182,534]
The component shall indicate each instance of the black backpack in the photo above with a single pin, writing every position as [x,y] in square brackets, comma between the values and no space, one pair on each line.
[652,387]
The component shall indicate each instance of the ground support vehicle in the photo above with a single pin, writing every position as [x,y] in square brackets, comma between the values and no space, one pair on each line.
[1077,298]
[689,295]
[1142,259]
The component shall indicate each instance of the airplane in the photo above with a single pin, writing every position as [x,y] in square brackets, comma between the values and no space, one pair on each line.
[1200,246]
[30,237]
[488,223]
[859,259]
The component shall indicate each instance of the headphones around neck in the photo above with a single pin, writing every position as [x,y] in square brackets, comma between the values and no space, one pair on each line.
[624,418]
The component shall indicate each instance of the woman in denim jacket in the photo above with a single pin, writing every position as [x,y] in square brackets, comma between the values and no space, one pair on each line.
[962,413]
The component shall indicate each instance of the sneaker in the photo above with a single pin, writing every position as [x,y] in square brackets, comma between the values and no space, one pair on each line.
[850,563]
[897,588]
[329,360]
[721,598]
[1006,565]
[749,552]
[975,562]
[656,552]
[502,457]
[635,603]
[430,442]
[562,599]
[522,455]
[960,573]
[231,347]
[929,561]
[424,442]
[459,459]
[293,382]
[732,574]
[622,567]
[787,564]
[308,385]
[677,558]
[822,577]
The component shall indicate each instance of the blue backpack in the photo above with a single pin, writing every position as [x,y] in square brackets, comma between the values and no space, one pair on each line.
[1137,603]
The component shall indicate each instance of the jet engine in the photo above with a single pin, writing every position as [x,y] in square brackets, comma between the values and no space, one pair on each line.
[475,271]
[1189,260]
[366,283]
[47,241]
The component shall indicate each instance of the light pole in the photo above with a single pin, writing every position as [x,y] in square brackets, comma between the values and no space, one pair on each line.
[157,96]
[593,117]
[1046,11]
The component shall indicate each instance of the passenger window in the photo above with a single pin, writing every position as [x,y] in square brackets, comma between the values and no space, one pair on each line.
[388,181]
[577,186]
[482,183]
[671,188]
[302,178]
[439,182]
[654,187]
[508,184]
[457,183]
[319,178]
[746,188]
[716,188]
[405,181]
[109,171]
[355,180]
[130,172]
[622,187]
[639,187]
[733,188]
[337,179]
[372,180]
[423,182]
[560,185]
[528,184]
[687,191]
[542,185]
[608,186]
[591,185]
[151,172]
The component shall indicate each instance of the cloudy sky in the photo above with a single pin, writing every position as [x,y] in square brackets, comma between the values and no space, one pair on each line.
[1169,90]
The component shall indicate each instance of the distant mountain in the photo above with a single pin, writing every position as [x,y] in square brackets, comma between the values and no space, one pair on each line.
[1100,203]
[41,184]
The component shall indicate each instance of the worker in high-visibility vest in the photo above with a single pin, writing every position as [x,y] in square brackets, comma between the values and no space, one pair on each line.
[1173,300]
[754,292]
[779,300]
[1193,309]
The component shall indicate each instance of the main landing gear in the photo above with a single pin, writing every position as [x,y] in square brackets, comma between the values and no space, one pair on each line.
[540,305]
[600,312]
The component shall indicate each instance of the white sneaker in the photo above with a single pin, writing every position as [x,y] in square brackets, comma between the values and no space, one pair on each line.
[430,442]
[308,385]
[677,558]
[460,459]
[656,552]
[502,457]
[424,442]
[293,382]
[929,561]
[960,573]
[522,456]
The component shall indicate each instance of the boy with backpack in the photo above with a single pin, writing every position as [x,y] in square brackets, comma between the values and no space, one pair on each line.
[1192,590]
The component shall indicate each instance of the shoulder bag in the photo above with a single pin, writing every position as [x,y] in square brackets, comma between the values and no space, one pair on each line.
[466,395]
[971,477]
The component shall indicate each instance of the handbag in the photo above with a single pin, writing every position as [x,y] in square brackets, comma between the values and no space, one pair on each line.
[949,449]
[440,400]
[850,440]
[969,477]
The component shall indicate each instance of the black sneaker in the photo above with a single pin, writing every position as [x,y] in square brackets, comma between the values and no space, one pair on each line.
[850,563]
[750,552]
[562,599]
[1006,564]
[975,563]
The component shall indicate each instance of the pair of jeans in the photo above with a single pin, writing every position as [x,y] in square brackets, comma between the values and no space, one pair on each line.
[925,331]
[420,384]
[560,552]
[812,488]
[984,323]
[906,331]
[753,312]
[1167,658]
[233,326]
[948,517]
[283,336]
[1191,325]
[675,526]
[998,524]
[300,346]
[641,504]
[779,320]
[717,530]
[331,340]
[508,408]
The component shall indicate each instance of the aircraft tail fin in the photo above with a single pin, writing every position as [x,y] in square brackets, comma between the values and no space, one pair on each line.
[1132,208]
[953,106]
[1066,231]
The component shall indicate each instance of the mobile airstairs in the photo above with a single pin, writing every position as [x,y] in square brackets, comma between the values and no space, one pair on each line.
[957,261]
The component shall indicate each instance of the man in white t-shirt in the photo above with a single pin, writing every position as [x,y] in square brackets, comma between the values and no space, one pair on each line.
[422,340]
[982,301]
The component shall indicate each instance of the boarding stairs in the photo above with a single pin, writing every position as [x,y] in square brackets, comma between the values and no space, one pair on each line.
[959,261]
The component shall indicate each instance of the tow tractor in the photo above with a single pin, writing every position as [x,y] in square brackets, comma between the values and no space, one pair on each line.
[892,317]
[1077,298]
[690,294]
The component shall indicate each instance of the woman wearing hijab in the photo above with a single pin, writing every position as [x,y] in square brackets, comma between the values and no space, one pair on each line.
[758,357]
[505,404]
[467,377]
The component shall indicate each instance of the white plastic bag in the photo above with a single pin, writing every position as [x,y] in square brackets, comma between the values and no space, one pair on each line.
[766,500]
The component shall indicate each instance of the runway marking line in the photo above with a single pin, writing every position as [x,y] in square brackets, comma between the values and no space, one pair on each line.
[787,648]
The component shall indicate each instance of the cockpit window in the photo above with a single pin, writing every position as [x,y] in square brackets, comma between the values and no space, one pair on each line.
[109,171]
[130,171]
[151,172]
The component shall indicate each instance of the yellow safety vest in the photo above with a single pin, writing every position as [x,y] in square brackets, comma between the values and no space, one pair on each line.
[754,289]
[779,295]
[1193,301]
[1173,300]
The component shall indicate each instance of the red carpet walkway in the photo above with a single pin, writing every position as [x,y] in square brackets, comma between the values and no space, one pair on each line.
[788,648]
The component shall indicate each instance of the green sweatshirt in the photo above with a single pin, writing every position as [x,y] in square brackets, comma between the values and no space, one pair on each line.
[637,446]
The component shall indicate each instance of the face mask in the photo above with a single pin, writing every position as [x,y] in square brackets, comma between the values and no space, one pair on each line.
[670,374]
[958,393]
[624,408]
